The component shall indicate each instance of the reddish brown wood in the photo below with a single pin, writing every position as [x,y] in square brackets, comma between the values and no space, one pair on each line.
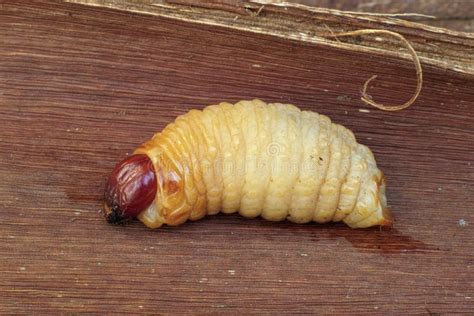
[81,87]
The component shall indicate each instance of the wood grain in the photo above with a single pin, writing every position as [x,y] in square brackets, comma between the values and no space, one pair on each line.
[439,47]
[454,14]
[80,87]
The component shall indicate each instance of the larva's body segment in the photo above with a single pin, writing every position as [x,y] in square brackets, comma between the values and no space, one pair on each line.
[269,160]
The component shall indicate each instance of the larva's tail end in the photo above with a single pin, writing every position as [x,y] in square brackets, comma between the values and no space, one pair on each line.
[381,218]
[373,210]
[386,215]
[387,218]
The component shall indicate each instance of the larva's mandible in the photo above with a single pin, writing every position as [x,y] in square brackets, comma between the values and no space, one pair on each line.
[269,160]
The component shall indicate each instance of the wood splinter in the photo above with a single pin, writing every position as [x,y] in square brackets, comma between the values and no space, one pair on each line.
[419,74]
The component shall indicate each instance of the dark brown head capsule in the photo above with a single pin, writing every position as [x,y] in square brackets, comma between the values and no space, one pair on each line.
[130,189]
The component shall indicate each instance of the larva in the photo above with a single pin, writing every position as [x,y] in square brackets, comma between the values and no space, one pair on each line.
[258,159]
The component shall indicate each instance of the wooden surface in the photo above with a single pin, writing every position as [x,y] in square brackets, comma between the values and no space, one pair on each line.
[439,47]
[453,14]
[81,87]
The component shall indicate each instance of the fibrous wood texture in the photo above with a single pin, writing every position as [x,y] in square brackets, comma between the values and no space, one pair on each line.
[81,86]
[443,48]
[454,14]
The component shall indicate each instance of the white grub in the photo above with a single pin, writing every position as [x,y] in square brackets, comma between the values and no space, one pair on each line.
[273,172]
[303,254]
[231,272]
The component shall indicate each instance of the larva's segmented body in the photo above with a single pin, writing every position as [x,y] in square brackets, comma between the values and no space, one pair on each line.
[269,160]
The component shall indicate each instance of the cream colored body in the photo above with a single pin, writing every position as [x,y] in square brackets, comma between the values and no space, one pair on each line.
[269,160]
